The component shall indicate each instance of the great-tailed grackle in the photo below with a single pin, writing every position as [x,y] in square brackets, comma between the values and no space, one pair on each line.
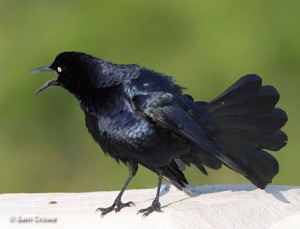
[139,116]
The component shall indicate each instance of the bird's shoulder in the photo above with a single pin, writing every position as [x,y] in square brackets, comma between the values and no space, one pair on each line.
[150,81]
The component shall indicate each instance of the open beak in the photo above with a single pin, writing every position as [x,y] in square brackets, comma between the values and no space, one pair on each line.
[47,84]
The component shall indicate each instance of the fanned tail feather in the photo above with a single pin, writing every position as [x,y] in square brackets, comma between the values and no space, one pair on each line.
[245,121]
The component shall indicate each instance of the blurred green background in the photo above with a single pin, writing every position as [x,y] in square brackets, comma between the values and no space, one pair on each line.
[204,45]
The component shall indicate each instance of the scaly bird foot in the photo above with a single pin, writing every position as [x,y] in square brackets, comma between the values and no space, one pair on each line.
[155,206]
[117,206]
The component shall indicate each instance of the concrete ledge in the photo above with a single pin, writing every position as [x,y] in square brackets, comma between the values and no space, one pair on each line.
[219,206]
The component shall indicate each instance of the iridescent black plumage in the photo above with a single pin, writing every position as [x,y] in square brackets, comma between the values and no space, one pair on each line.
[139,116]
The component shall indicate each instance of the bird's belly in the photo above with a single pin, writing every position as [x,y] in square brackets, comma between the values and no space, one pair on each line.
[141,142]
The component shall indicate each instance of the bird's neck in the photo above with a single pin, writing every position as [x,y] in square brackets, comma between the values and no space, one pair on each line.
[93,101]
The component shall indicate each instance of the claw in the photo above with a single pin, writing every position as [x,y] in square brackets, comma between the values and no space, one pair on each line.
[121,205]
[117,206]
[155,206]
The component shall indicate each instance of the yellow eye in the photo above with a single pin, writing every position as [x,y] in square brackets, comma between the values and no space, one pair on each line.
[59,69]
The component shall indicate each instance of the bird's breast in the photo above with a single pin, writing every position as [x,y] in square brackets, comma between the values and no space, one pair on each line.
[125,128]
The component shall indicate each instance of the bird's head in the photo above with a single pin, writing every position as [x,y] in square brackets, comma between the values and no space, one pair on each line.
[75,71]
[79,72]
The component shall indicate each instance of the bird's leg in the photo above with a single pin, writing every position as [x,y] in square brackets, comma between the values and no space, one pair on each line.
[155,206]
[118,205]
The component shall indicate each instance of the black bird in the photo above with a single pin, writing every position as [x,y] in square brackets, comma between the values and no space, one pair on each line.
[140,116]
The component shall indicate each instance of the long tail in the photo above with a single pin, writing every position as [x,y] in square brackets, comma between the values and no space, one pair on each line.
[245,123]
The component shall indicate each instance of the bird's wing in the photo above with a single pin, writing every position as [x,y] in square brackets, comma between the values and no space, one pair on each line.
[163,110]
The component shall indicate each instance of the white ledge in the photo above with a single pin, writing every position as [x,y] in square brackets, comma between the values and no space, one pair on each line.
[218,206]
